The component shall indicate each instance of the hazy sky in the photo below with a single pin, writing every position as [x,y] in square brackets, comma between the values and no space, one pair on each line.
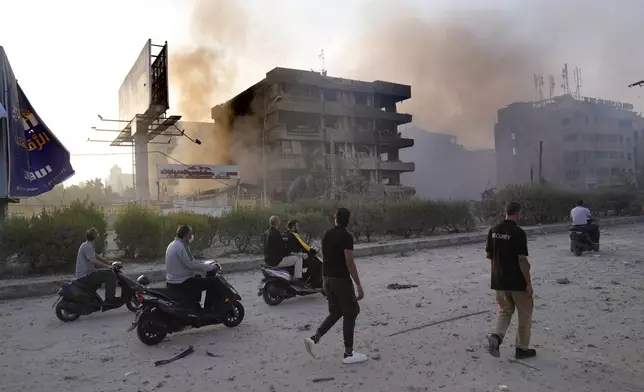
[70,56]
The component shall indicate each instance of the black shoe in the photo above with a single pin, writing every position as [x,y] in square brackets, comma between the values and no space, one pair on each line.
[494,343]
[523,354]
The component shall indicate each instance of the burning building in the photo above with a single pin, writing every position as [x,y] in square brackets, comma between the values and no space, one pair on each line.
[310,121]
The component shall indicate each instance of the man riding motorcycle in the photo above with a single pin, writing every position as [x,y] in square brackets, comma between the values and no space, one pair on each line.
[277,252]
[295,242]
[93,270]
[296,245]
[181,268]
[582,219]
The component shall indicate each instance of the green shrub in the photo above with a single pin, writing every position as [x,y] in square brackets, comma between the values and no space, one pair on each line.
[201,225]
[49,241]
[367,218]
[545,204]
[313,224]
[141,232]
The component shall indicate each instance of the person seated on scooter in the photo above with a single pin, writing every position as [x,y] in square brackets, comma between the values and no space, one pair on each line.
[93,270]
[181,268]
[276,250]
[295,243]
[581,218]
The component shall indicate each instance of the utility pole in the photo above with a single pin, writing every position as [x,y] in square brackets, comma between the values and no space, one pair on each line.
[541,161]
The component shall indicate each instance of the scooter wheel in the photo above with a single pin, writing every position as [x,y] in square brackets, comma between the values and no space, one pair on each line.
[578,252]
[235,315]
[65,313]
[133,304]
[148,331]
[271,296]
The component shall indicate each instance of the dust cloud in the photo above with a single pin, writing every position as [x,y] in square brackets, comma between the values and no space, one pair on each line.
[464,64]
[204,75]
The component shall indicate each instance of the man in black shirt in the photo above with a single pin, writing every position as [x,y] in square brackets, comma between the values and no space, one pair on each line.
[338,267]
[507,248]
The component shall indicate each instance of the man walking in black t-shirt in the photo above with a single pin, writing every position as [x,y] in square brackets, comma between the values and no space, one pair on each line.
[338,267]
[507,248]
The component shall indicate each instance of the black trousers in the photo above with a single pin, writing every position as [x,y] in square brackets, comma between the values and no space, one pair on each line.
[103,276]
[343,303]
[193,288]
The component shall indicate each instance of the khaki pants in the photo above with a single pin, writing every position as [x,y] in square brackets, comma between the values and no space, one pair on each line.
[508,301]
[293,261]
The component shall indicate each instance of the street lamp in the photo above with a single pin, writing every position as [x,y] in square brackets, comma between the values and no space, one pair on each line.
[276,100]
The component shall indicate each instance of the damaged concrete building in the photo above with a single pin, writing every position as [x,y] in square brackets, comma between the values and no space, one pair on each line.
[585,143]
[315,122]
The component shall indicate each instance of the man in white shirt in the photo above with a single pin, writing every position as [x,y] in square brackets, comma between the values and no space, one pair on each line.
[181,268]
[580,216]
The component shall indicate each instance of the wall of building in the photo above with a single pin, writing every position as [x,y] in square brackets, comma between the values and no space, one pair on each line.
[586,143]
[445,169]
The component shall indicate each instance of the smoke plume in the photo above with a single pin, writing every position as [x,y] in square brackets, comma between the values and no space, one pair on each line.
[204,75]
[463,65]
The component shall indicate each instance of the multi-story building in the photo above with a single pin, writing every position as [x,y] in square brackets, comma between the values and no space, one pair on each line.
[316,122]
[584,143]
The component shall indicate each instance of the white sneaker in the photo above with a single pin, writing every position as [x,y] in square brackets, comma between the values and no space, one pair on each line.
[309,343]
[354,358]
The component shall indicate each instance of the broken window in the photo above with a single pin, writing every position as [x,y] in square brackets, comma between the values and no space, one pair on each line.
[625,124]
[360,99]
[330,95]
[362,151]
[286,147]
[570,137]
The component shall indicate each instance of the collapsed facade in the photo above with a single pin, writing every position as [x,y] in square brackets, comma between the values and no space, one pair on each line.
[313,122]
[585,143]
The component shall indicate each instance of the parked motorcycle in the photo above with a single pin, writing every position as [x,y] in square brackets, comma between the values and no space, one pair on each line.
[77,299]
[580,240]
[165,311]
[277,284]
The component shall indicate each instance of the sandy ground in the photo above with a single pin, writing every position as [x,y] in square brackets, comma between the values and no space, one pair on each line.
[588,333]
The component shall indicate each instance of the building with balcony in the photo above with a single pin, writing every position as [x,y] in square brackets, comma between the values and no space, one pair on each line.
[313,122]
[586,142]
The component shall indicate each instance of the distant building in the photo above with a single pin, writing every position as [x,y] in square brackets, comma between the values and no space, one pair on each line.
[446,169]
[587,142]
[118,180]
[316,122]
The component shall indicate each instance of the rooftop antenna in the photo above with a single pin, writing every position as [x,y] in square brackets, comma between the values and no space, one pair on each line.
[538,85]
[577,75]
[564,75]
[323,71]
[551,83]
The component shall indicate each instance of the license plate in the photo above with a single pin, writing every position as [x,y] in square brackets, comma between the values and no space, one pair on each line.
[262,285]
[136,321]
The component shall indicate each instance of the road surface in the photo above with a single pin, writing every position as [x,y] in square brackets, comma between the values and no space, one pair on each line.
[588,333]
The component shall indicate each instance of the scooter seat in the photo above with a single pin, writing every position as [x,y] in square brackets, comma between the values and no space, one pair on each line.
[169,293]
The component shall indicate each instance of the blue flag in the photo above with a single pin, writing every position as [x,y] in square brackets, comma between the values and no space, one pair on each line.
[38,161]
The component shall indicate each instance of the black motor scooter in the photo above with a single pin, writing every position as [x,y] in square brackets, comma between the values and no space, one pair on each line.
[277,284]
[165,310]
[76,299]
[580,240]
